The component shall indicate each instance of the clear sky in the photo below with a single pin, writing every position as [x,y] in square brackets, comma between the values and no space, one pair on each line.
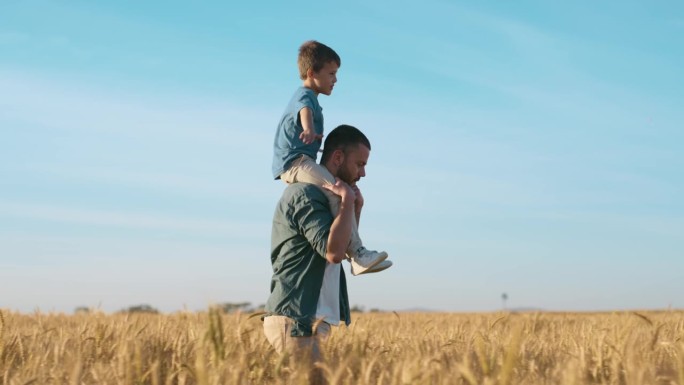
[531,147]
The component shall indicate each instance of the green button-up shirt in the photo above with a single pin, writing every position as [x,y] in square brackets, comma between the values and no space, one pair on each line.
[301,225]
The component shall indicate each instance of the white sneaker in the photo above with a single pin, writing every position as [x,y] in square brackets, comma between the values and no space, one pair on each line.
[384,265]
[365,259]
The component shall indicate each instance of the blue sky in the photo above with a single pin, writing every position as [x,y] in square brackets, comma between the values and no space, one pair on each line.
[533,148]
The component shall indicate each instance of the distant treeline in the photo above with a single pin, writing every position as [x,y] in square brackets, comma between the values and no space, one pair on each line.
[227,307]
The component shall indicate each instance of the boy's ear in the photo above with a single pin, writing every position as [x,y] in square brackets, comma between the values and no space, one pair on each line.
[310,73]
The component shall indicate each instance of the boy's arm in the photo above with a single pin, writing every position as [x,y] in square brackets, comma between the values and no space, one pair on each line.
[308,135]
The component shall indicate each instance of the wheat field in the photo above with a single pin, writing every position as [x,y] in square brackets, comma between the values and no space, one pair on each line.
[377,348]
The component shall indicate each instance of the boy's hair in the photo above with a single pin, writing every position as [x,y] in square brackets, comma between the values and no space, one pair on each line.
[313,56]
[341,138]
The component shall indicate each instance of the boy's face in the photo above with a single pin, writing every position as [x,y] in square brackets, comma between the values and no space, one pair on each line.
[324,80]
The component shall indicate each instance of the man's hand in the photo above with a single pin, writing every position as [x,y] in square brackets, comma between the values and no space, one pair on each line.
[341,189]
[309,136]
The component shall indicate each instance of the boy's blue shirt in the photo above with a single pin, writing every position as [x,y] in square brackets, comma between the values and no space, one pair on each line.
[287,146]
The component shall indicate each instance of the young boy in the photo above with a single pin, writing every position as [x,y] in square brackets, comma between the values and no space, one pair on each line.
[298,140]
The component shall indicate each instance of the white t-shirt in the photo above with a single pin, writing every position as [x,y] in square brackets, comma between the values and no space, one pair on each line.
[328,306]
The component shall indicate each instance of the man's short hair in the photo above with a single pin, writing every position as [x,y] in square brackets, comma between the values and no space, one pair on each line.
[341,138]
[313,56]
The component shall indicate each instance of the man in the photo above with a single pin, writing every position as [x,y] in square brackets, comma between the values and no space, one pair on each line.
[308,242]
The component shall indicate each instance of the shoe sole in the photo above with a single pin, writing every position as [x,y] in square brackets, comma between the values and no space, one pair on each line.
[365,269]
[384,265]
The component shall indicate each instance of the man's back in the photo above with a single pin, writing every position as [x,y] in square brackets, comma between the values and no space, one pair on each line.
[301,225]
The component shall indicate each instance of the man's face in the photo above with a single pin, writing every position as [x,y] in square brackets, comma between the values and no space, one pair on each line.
[353,166]
[325,79]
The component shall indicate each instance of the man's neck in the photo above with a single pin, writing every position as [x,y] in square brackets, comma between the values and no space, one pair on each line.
[331,168]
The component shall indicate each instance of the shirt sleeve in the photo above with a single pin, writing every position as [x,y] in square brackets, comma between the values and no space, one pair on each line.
[313,218]
[304,100]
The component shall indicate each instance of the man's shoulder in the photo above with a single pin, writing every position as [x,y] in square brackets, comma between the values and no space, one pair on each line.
[303,194]
[298,196]
[302,190]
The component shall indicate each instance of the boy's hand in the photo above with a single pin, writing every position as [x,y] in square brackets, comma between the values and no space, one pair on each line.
[343,190]
[358,202]
[308,136]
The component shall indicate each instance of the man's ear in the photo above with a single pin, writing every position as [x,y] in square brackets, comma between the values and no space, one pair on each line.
[338,157]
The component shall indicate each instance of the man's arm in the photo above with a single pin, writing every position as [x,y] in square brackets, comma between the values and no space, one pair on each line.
[328,235]
[340,230]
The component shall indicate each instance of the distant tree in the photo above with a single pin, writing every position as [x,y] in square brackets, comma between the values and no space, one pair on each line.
[82,310]
[230,307]
[504,298]
[144,308]
[357,308]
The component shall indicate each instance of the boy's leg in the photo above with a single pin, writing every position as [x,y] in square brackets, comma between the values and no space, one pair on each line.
[290,175]
[306,170]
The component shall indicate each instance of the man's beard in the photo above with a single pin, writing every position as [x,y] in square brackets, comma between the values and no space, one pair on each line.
[346,176]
